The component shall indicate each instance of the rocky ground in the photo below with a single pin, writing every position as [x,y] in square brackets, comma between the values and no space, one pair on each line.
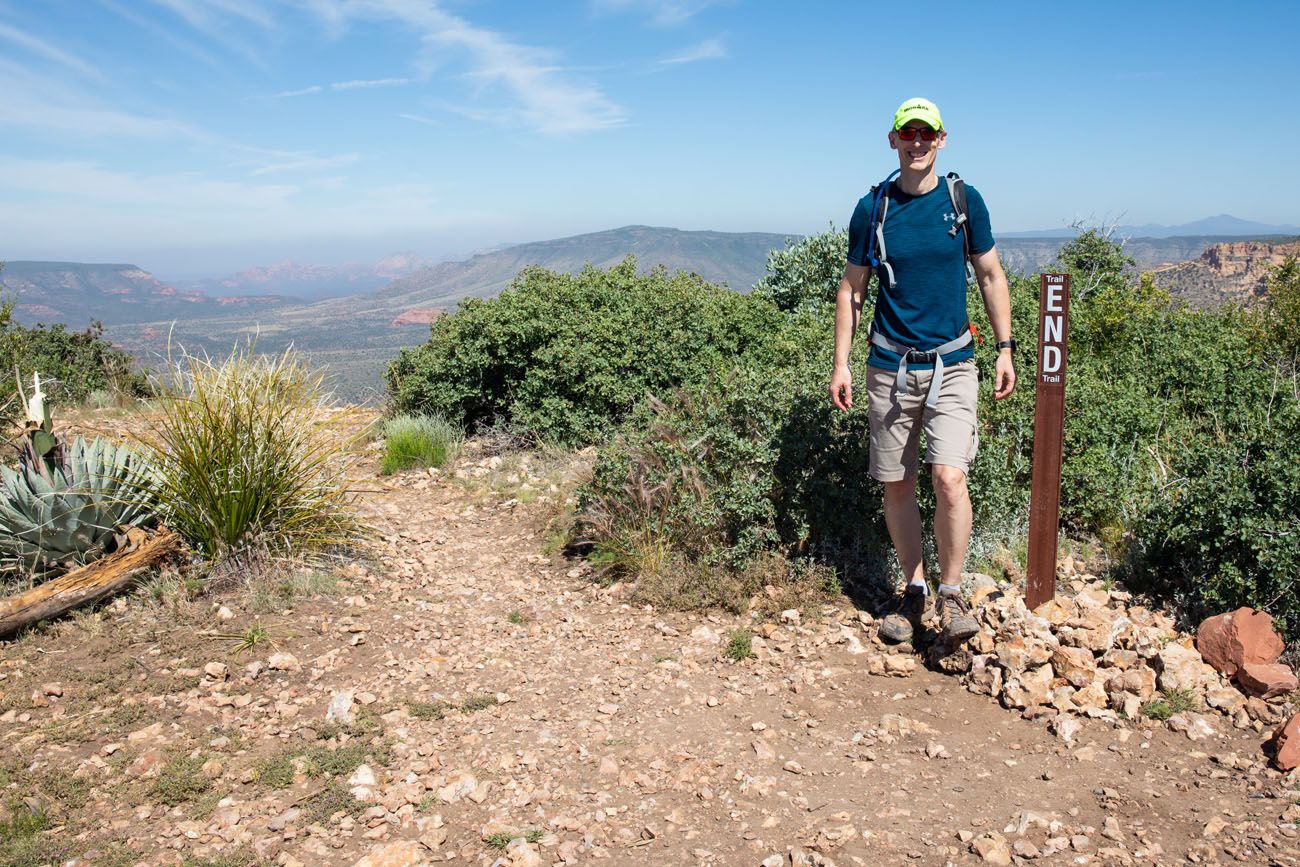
[468,696]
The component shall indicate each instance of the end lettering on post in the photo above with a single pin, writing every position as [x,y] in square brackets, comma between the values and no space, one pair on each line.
[1049,424]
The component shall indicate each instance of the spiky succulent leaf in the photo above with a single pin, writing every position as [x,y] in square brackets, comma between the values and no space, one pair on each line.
[48,526]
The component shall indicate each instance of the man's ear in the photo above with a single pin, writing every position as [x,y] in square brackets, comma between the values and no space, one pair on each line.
[893,140]
[941,140]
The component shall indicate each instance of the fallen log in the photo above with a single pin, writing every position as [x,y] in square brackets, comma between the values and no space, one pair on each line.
[87,583]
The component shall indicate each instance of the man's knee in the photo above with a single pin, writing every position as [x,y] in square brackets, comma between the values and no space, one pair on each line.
[949,483]
[901,490]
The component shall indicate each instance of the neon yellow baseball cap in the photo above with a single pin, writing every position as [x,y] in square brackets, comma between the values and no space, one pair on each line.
[920,109]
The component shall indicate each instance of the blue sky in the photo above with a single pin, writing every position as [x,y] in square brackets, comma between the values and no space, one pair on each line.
[196,137]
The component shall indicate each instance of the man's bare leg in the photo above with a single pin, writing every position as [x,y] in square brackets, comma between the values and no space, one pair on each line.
[952,521]
[903,518]
[952,524]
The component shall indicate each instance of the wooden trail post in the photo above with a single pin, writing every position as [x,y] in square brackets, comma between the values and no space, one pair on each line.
[1049,422]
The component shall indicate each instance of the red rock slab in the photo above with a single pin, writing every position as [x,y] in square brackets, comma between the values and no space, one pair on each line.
[1229,641]
[1286,744]
[1267,681]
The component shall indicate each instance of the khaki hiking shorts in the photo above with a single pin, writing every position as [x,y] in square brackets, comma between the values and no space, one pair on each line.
[951,436]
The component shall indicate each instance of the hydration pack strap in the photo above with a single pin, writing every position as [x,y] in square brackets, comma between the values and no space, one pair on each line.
[957,194]
[935,355]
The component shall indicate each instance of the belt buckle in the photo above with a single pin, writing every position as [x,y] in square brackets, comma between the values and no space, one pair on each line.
[916,356]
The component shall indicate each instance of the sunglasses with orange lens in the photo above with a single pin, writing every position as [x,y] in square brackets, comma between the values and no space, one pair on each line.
[909,133]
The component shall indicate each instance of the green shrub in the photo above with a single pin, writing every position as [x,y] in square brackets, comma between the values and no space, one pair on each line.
[418,441]
[566,357]
[740,646]
[806,274]
[1175,439]
[74,363]
[248,457]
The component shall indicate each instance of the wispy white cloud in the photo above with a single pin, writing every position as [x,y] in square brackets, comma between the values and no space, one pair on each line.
[44,49]
[357,84]
[32,102]
[89,182]
[709,49]
[307,162]
[664,13]
[538,92]
[36,102]
[55,205]
[302,91]
[418,118]
[153,26]
[204,14]
[374,82]
[212,18]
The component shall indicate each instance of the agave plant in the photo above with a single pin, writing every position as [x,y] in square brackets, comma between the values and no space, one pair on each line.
[61,513]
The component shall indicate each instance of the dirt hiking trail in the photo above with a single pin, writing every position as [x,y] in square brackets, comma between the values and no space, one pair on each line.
[490,705]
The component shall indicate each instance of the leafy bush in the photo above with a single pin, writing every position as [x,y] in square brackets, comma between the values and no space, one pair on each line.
[806,274]
[1175,440]
[76,363]
[248,458]
[565,357]
[1225,529]
[418,441]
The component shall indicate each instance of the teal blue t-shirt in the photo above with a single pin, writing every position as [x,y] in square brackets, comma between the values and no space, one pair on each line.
[927,306]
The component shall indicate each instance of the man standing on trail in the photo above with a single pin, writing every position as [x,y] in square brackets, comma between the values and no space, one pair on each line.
[917,233]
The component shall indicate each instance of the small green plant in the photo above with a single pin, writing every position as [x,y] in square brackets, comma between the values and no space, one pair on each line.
[256,635]
[23,822]
[278,770]
[518,618]
[501,839]
[741,645]
[334,799]
[180,781]
[238,858]
[419,441]
[477,703]
[1171,701]
[426,710]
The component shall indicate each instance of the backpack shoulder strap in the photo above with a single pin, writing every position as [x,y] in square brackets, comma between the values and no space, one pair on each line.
[876,239]
[957,193]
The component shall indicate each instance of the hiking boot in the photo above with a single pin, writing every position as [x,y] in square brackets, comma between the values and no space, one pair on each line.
[904,621]
[955,620]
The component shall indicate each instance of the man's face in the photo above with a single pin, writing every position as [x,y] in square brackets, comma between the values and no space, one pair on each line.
[918,154]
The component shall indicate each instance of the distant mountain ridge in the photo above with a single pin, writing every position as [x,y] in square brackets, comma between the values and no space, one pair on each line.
[1223,225]
[359,332]
[310,282]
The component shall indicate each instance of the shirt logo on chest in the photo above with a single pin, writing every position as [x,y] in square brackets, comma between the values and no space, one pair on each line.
[948,218]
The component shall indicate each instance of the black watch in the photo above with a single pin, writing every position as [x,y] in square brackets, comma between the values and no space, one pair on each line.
[1006,344]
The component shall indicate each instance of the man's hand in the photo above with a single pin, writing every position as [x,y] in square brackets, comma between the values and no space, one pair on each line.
[842,388]
[1004,378]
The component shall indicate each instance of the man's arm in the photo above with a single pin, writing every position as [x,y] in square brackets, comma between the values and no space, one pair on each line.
[997,303]
[848,310]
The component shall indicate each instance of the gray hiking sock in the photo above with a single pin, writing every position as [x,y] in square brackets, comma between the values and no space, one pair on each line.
[922,583]
[950,589]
